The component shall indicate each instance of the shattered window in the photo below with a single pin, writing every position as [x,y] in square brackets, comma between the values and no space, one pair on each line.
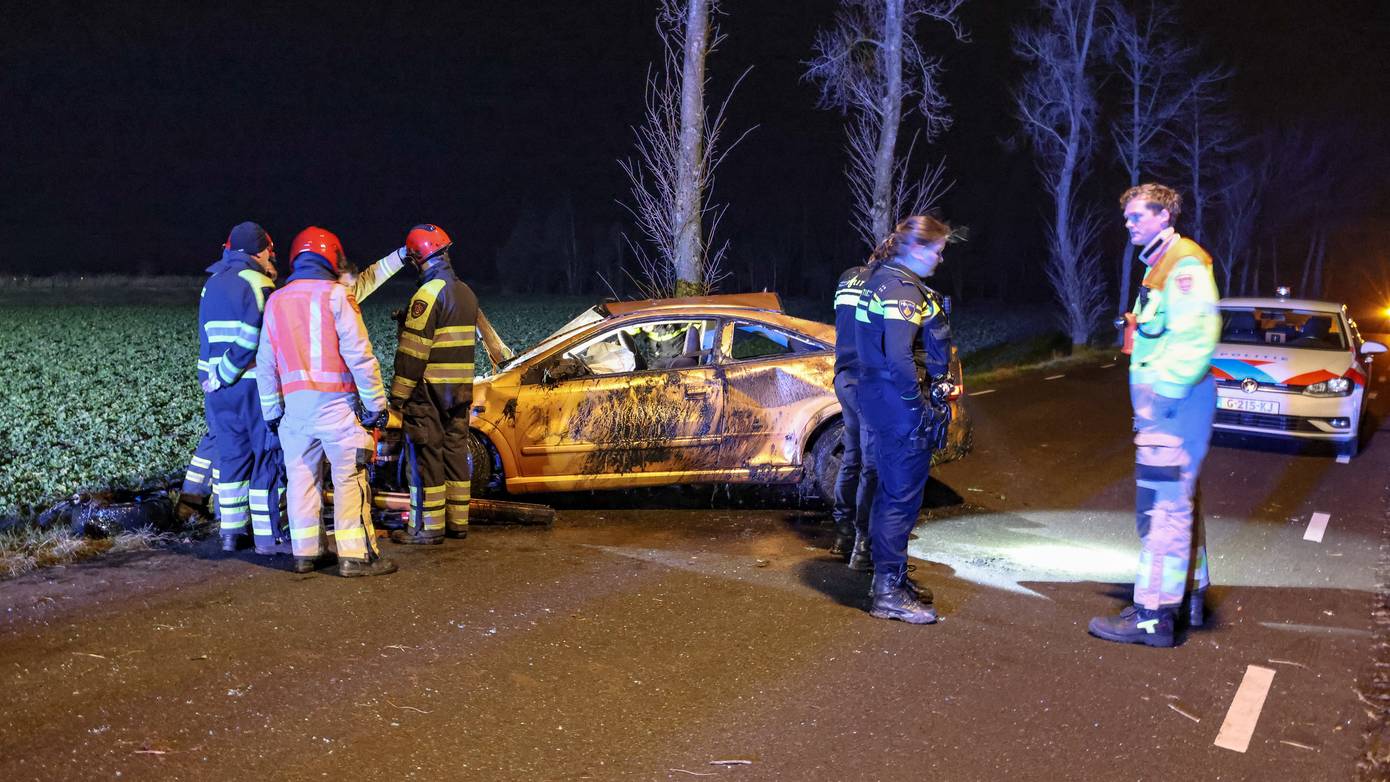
[647,346]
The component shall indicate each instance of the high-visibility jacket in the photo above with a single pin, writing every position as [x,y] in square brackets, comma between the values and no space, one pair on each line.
[314,340]
[847,293]
[437,340]
[229,318]
[1176,320]
[902,332]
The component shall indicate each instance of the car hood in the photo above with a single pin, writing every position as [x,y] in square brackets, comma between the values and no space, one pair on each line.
[1282,365]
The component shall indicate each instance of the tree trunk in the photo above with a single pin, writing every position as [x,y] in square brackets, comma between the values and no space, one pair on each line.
[690,256]
[1317,264]
[1303,289]
[891,109]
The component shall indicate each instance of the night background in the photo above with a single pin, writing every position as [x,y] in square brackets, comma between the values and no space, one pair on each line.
[136,136]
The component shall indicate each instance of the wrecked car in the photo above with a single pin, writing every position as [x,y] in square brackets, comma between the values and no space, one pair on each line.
[711,389]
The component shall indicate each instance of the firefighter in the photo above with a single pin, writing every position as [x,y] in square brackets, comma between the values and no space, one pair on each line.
[229,326]
[433,389]
[318,376]
[858,476]
[201,476]
[903,340]
[1175,326]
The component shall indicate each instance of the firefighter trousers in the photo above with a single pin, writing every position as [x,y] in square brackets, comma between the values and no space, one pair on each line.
[329,430]
[247,462]
[858,478]
[200,479]
[440,463]
[1171,441]
[902,473]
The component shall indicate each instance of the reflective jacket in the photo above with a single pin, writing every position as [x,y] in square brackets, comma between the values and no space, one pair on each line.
[1176,320]
[229,318]
[437,338]
[847,293]
[901,331]
[315,341]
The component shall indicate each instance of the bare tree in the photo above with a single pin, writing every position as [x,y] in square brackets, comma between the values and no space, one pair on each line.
[1057,108]
[1154,71]
[673,172]
[1236,212]
[1206,136]
[869,64]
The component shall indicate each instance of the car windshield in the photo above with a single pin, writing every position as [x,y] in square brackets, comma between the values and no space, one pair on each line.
[591,315]
[1294,328]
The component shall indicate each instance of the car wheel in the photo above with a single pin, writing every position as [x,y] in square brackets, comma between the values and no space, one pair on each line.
[824,462]
[483,466]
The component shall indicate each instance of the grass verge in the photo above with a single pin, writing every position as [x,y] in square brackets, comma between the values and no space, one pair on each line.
[1041,354]
[29,548]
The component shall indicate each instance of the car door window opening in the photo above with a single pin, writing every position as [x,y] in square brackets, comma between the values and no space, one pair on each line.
[754,341]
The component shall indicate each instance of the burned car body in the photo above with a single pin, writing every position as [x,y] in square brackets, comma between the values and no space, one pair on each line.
[714,389]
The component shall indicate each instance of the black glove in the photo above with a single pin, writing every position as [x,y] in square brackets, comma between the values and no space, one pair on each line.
[273,424]
[375,420]
[941,390]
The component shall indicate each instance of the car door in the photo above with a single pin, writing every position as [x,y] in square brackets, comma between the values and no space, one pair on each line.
[639,398]
[775,380]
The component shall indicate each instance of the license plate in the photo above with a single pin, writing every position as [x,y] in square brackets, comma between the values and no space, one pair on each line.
[1248,405]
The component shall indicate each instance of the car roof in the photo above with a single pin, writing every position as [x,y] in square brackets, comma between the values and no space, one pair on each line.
[765,301]
[1297,304]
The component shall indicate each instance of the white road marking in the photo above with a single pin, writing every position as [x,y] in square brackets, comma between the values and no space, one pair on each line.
[982,393]
[1054,377]
[1107,366]
[1344,459]
[1316,527]
[1245,709]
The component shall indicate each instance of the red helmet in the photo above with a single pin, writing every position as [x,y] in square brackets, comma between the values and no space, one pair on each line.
[426,240]
[321,241]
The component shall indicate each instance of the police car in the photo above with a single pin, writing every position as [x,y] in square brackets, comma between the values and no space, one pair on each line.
[1292,368]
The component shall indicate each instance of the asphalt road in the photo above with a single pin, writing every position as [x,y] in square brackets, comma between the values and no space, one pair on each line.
[632,643]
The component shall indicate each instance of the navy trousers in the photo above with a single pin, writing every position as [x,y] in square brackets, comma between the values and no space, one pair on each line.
[858,478]
[902,473]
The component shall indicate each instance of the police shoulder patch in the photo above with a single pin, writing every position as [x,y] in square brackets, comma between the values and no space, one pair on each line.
[1185,283]
[907,308]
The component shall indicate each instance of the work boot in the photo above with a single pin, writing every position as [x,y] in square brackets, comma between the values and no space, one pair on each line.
[351,568]
[1136,625]
[456,532]
[859,555]
[231,541]
[843,545]
[278,547]
[892,601]
[1194,607]
[310,564]
[408,539]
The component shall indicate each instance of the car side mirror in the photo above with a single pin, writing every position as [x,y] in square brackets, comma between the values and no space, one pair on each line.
[1371,347]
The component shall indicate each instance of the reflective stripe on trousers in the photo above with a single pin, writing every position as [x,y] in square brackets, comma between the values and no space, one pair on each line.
[308,437]
[1168,459]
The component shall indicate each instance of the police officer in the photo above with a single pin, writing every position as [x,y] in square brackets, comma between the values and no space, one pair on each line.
[1175,327]
[904,344]
[858,477]
[433,390]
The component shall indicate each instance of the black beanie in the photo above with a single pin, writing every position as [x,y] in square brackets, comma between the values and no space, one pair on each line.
[249,238]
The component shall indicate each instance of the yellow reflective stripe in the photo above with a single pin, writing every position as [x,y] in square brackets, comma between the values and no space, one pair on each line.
[454,337]
[423,355]
[448,373]
[401,387]
[258,282]
[427,294]
[305,533]
[418,341]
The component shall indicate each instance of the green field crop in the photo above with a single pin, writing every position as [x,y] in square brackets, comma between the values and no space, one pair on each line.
[104,395]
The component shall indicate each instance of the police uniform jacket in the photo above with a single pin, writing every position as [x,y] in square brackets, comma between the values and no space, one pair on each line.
[847,293]
[437,340]
[902,332]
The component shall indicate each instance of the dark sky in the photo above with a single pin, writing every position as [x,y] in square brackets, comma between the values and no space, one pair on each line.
[135,135]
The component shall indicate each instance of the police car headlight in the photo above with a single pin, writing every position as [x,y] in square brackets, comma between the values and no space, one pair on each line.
[1338,386]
